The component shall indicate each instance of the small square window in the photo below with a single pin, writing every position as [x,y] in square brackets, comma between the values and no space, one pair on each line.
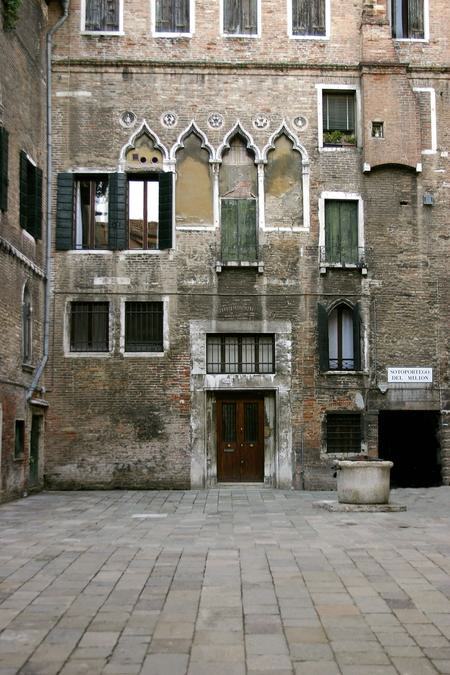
[89,327]
[377,129]
[343,432]
[144,327]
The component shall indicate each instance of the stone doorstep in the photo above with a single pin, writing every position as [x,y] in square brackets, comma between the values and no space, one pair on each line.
[331,505]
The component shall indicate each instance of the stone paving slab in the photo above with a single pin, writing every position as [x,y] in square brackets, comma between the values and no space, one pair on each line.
[239,580]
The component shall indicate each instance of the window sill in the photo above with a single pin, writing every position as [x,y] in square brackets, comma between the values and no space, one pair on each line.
[242,36]
[19,458]
[89,355]
[84,251]
[308,37]
[337,148]
[27,367]
[141,355]
[173,35]
[396,39]
[343,372]
[235,264]
[324,267]
[103,33]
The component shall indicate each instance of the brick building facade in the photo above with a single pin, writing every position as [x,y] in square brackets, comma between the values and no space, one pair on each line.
[22,246]
[249,270]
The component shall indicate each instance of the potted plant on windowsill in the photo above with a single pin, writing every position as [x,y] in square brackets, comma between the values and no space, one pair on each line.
[363,480]
[338,139]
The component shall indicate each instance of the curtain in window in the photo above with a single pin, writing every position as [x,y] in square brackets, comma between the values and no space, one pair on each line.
[339,112]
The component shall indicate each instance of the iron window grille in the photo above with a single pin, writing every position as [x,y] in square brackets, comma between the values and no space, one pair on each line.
[344,432]
[89,327]
[240,354]
[144,327]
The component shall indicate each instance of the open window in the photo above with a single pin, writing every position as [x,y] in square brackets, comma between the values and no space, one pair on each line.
[30,196]
[173,17]
[114,211]
[102,16]
[240,17]
[308,18]
[408,19]
[339,332]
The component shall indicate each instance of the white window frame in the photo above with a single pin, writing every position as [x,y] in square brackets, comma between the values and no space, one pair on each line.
[310,37]
[166,343]
[67,322]
[251,36]
[101,32]
[340,196]
[426,24]
[158,34]
[320,88]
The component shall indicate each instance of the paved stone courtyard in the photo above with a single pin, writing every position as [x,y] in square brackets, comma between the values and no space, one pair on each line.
[223,582]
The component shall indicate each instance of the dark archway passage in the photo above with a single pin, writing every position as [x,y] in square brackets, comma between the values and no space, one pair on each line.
[410,439]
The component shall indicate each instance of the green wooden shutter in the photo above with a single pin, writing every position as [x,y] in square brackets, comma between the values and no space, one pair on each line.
[94,15]
[164,16]
[112,15]
[348,211]
[249,23]
[357,337]
[64,212]
[322,328]
[415,19]
[3,169]
[181,22]
[247,243]
[165,227]
[229,229]
[117,212]
[23,213]
[318,18]
[332,231]
[301,17]
[37,204]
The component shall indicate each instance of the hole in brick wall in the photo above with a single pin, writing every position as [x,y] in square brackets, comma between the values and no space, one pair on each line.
[143,160]
[154,160]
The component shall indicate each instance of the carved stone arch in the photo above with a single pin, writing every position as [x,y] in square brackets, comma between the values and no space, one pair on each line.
[283,129]
[192,128]
[143,130]
[344,302]
[238,130]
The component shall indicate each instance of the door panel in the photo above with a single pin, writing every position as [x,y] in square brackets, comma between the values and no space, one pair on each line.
[240,439]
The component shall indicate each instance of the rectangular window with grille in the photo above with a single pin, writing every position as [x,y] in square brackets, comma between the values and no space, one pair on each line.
[89,327]
[144,327]
[344,432]
[240,354]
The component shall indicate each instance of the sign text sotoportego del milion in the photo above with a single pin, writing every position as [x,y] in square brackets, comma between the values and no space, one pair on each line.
[412,375]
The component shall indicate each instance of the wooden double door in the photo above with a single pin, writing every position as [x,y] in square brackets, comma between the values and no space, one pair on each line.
[240,438]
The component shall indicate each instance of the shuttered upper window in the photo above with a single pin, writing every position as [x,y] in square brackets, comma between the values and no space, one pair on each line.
[308,18]
[112,212]
[172,16]
[341,232]
[408,19]
[30,197]
[102,16]
[240,17]
[239,230]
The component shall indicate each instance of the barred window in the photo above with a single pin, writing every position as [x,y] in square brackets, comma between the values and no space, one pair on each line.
[144,327]
[89,327]
[344,432]
[240,353]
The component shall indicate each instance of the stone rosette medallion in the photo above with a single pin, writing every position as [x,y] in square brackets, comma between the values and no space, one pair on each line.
[169,119]
[128,119]
[215,120]
[300,122]
[261,121]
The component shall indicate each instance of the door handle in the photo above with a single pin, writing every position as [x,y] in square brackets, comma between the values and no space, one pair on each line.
[242,461]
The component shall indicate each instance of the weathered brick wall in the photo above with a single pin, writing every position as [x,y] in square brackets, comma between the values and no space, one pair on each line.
[124,421]
[22,113]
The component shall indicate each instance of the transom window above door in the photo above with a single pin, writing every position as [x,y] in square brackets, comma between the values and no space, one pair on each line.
[240,354]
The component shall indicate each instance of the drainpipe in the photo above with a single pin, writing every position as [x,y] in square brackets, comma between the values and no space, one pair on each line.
[48,248]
